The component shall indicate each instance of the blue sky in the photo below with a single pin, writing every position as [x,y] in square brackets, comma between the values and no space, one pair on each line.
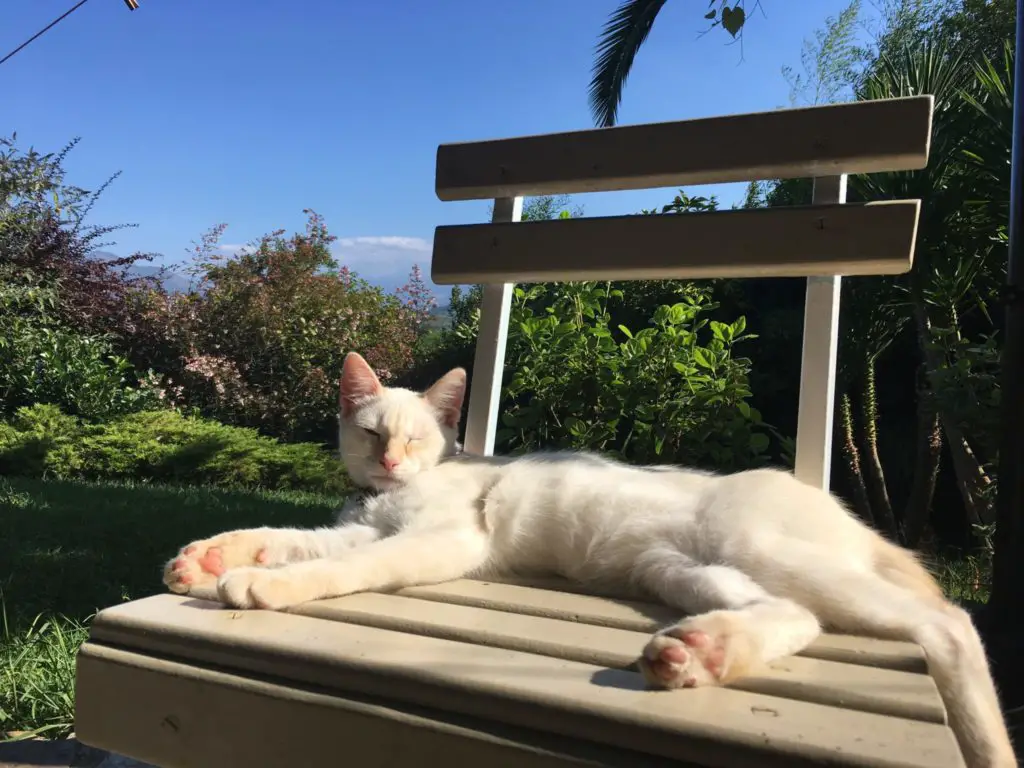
[248,112]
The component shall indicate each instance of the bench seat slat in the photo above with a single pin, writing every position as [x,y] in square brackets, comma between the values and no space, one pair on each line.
[170,713]
[883,691]
[557,599]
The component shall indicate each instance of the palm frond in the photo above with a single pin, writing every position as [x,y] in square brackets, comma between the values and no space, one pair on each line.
[934,67]
[623,34]
[988,147]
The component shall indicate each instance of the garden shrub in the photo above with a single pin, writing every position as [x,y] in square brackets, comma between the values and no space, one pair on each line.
[43,360]
[671,392]
[162,446]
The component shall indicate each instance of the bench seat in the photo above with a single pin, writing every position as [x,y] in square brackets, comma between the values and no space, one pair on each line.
[519,673]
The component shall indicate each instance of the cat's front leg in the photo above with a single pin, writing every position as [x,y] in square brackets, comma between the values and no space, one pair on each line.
[199,564]
[406,559]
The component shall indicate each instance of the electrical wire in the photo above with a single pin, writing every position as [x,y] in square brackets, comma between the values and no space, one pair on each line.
[45,29]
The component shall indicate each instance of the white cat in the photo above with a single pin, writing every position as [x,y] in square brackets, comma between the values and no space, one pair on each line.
[758,560]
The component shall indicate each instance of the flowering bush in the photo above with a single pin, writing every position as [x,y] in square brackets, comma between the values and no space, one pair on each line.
[43,232]
[260,339]
[62,310]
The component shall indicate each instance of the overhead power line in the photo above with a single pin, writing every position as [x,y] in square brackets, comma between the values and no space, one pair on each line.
[132,5]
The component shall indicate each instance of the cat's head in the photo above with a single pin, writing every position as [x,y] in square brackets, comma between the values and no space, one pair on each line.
[388,434]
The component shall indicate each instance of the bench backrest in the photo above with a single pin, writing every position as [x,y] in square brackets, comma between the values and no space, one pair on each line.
[822,241]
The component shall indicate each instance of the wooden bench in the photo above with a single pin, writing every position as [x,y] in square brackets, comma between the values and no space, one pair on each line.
[538,672]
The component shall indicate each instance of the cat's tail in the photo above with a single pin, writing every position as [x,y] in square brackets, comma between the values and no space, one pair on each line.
[902,567]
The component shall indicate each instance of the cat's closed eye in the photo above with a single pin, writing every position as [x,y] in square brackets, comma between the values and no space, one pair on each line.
[371,432]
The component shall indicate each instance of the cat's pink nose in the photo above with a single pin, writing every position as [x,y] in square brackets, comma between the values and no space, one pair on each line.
[389,463]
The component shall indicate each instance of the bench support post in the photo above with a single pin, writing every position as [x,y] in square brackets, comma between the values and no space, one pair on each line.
[489,359]
[816,413]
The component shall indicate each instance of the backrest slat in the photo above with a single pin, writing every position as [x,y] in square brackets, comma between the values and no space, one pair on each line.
[859,137]
[860,239]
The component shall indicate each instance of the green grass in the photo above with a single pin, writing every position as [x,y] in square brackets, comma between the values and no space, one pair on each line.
[966,580]
[37,677]
[69,549]
[73,548]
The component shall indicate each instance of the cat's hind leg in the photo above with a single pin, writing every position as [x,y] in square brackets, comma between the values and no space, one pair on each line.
[869,603]
[199,564]
[735,625]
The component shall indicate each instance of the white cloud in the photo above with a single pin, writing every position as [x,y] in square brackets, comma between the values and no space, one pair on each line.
[232,248]
[385,260]
[386,241]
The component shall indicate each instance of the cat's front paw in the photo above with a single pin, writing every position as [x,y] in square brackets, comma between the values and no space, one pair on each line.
[201,563]
[704,650]
[271,589]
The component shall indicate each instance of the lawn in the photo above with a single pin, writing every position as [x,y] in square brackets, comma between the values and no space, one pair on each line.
[68,549]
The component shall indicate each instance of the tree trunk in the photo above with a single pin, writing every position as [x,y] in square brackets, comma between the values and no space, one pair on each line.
[861,503]
[874,475]
[926,467]
[971,478]
[970,475]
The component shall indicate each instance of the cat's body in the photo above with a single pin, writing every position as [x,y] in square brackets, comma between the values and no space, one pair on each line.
[595,520]
[760,561]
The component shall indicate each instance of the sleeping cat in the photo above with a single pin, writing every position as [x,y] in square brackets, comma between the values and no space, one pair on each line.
[758,560]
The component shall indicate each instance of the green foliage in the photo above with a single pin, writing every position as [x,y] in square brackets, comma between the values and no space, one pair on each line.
[42,360]
[669,392]
[32,189]
[830,61]
[60,308]
[980,27]
[967,388]
[161,446]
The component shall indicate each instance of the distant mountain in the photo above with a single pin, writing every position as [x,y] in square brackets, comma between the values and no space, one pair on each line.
[176,282]
[438,317]
[173,282]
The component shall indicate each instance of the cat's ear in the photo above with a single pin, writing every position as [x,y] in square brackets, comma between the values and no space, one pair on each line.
[358,382]
[447,394]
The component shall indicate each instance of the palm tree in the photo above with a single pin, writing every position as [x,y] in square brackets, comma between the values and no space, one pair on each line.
[623,35]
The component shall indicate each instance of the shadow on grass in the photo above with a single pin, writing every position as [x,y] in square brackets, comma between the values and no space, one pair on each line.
[187,457]
[73,548]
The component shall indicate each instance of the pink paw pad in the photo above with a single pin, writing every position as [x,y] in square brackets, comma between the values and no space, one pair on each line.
[711,655]
[687,664]
[666,665]
[212,562]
